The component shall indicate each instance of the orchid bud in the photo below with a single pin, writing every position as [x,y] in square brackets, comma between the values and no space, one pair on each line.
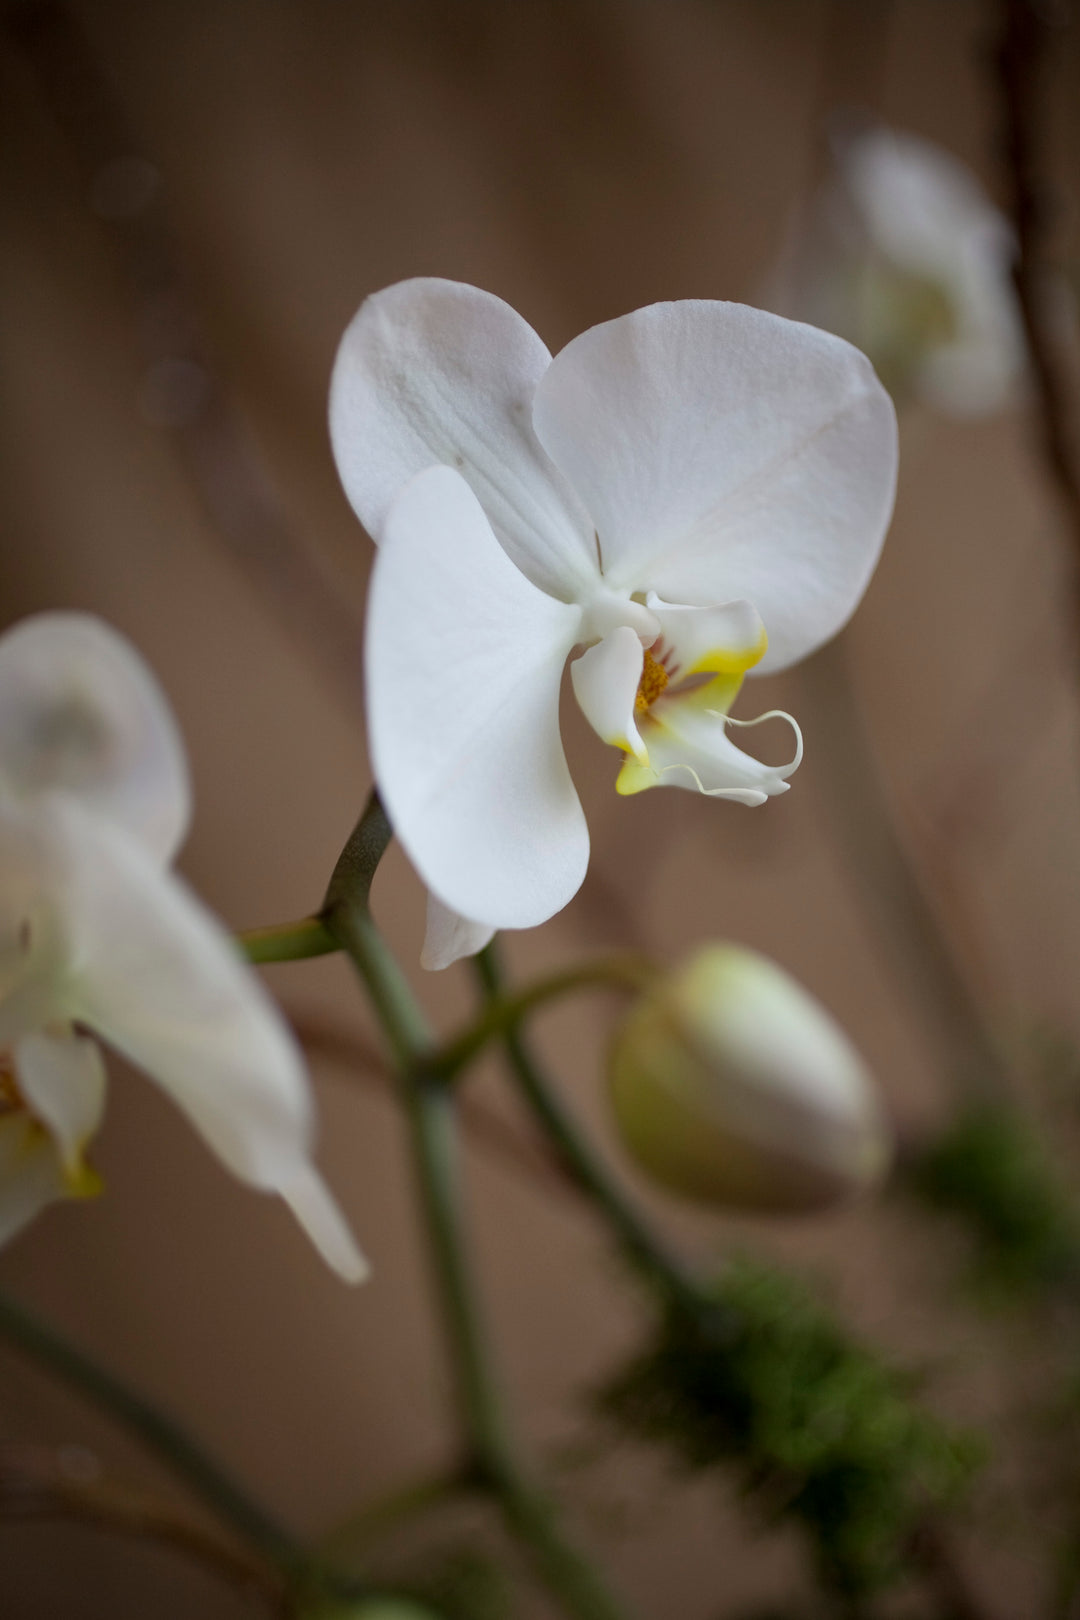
[732,1085]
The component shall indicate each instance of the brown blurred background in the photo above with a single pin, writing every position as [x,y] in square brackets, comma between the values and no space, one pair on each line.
[168,328]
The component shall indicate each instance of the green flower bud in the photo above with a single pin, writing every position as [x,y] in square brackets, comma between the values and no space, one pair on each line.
[732,1085]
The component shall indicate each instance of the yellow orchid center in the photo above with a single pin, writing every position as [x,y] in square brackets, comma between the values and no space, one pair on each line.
[654,678]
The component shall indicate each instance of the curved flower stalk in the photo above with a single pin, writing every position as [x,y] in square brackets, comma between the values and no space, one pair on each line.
[903,253]
[97,934]
[683,494]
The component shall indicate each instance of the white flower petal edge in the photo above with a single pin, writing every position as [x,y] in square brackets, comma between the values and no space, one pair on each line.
[606,679]
[689,747]
[449,937]
[81,713]
[62,1077]
[463,659]
[724,452]
[434,372]
[31,1174]
[157,976]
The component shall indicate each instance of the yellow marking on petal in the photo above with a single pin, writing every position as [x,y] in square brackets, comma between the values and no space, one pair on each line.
[716,695]
[635,777]
[82,1180]
[638,749]
[730,660]
[654,678]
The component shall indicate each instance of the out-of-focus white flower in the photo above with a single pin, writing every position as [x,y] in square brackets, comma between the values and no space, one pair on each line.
[98,934]
[902,252]
[682,493]
[731,1085]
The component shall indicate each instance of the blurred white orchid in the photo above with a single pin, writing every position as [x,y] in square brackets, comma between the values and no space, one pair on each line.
[671,487]
[96,933]
[902,252]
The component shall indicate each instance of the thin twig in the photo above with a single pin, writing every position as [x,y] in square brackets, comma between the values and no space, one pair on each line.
[932,1548]
[889,882]
[40,1484]
[161,1433]
[1021,61]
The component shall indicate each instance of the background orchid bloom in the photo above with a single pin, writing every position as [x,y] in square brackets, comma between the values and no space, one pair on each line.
[903,253]
[96,933]
[685,492]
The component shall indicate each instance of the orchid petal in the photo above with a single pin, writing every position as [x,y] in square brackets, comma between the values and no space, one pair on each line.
[918,202]
[159,978]
[62,1077]
[310,1200]
[725,640]
[723,452]
[689,747]
[464,659]
[605,680]
[434,372]
[31,1175]
[81,713]
[33,946]
[449,936]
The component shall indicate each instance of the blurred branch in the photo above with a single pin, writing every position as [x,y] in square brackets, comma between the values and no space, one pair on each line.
[376,1519]
[184,391]
[482,1125]
[932,1549]
[1020,62]
[38,1484]
[158,1431]
[962,794]
[889,882]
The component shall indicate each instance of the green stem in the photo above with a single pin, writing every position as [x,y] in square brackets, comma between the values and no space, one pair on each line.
[288,942]
[430,1109]
[376,1518]
[503,1012]
[639,1243]
[161,1434]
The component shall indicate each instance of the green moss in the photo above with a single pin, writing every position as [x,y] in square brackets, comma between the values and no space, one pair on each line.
[991,1171]
[821,1432]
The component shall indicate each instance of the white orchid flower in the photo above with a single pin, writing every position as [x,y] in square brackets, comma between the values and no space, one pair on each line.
[97,934]
[683,493]
[903,253]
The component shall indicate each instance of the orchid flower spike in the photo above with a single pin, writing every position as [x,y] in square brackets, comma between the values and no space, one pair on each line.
[683,494]
[902,252]
[98,935]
